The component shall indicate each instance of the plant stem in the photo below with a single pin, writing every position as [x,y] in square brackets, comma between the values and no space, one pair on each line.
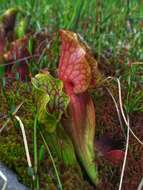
[36,155]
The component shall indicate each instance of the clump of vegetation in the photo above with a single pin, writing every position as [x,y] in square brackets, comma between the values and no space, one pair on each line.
[72,119]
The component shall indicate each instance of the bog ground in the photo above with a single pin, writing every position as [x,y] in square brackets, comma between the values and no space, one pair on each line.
[71,94]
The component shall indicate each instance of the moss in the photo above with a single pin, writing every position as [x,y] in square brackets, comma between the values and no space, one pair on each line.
[12,151]
[72,179]
[107,124]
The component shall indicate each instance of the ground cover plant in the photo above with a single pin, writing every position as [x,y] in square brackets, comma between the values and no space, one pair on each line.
[71,99]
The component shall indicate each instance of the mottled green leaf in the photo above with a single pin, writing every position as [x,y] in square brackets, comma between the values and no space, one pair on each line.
[50,99]
[62,146]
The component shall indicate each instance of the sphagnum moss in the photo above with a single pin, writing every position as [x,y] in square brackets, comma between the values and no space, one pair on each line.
[12,151]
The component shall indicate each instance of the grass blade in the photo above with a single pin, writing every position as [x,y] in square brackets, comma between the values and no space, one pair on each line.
[53,162]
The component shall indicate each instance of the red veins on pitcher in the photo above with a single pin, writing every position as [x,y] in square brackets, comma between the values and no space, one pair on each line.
[77,70]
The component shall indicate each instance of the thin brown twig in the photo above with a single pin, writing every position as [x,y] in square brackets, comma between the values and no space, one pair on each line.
[21,59]
[13,114]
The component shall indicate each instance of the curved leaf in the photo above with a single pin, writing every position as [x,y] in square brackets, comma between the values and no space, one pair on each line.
[77,64]
[78,71]
[50,98]
[62,146]
[8,19]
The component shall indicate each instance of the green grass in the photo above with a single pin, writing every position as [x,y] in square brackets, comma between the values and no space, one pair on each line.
[102,24]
